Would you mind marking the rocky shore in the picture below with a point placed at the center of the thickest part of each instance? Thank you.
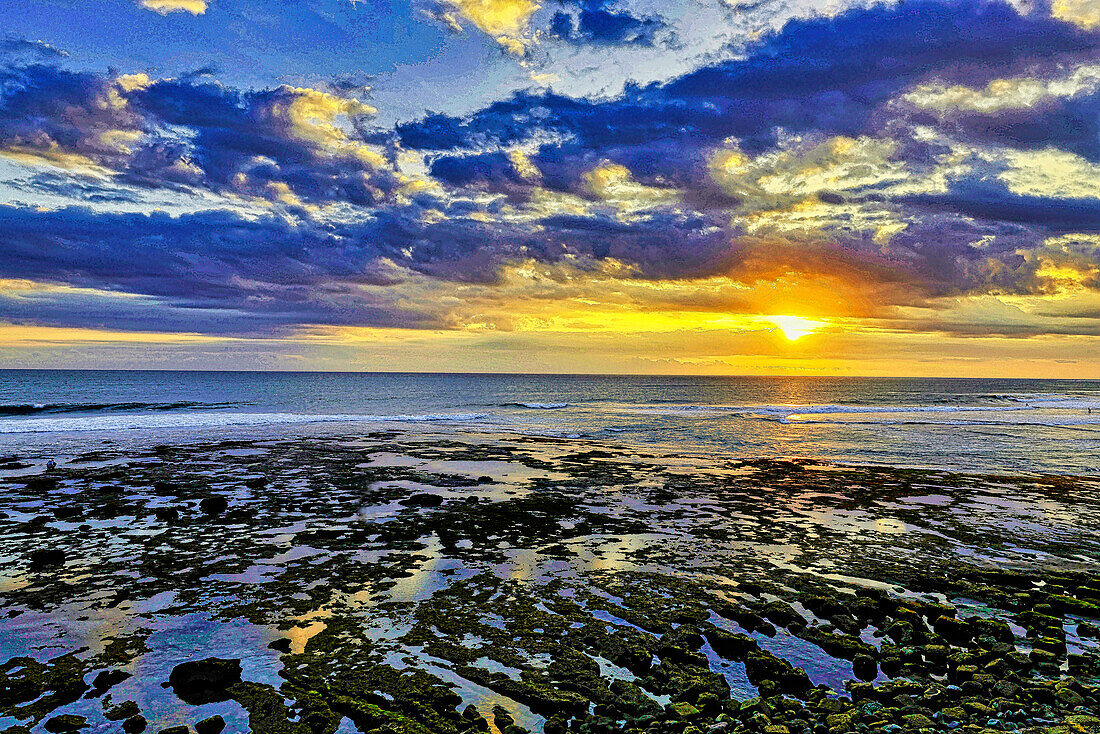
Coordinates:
(392, 583)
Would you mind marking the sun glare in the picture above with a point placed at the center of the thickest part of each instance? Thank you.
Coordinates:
(795, 327)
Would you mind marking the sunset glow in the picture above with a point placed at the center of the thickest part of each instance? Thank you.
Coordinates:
(795, 327)
(224, 187)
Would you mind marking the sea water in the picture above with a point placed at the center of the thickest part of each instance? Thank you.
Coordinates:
(977, 425)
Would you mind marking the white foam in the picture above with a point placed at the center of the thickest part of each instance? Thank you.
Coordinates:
(209, 420)
(789, 410)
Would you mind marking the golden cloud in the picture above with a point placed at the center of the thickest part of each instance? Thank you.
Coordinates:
(164, 7)
(1085, 13)
(505, 20)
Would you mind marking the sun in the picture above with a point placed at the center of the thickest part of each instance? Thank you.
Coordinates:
(795, 327)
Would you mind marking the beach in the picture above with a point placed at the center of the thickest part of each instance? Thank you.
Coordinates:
(424, 577)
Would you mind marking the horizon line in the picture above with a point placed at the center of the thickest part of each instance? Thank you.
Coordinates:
(540, 374)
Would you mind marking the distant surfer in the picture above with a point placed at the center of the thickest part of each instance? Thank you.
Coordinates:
(51, 465)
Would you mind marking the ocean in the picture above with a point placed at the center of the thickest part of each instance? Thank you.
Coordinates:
(972, 425)
(505, 553)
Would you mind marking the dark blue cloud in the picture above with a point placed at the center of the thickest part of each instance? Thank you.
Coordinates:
(13, 46)
(248, 275)
(229, 130)
(181, 131)
(817, 77)
(494, 172)
(992, 201)
(55, 111)
(1070, 123)
(823, 75)
(598, 24)
(261, 273)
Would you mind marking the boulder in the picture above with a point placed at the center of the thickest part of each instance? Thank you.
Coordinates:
(763, 666)
(215, 504)
(106, 679)
(865, 667)
(167, 514)
(65, 723)
(204, 681)
(955, 631)
(134, 724)
(49, 558)
(422, 499)
(729, 645)
(212, 725)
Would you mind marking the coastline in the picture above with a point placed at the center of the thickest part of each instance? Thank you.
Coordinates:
(390, 579)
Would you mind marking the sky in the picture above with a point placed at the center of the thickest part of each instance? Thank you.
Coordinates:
(789, 187)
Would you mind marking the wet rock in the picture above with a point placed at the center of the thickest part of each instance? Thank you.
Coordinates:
(918, 721)
(955, 631)
(65, 723)
(1005, 689)
(422, 499)
(554, 725)
(1086, 722)
(124, 710)
(167, 514)
(838, 645)
(472, 716)
(998, 629)
(891, 666)
(1063, 603)
(846, 623)
(134, 724)
(783, 614)
(763, 666)
(67, 512)
(104, 680)
(267, 710)
(214, 505)
(977, 708)
(42, 484)
(204, 681)
(823, 605)
(900, 632)
(1079, 663)
(211, 725)
(683, 711)
(50, 558)
(729, 645)
(1069, 698)
(501, 718)
(747, 618)
(280, 645)
(865, 667)
(954, 714)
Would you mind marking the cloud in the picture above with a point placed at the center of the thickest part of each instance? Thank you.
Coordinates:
(1085, 13)
(14, 46)
(993, 201)
(506, 21)
(599, 25)
(1029, 112)
(164, 7)
(810, 174)
(288, 144)
(822, 75)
